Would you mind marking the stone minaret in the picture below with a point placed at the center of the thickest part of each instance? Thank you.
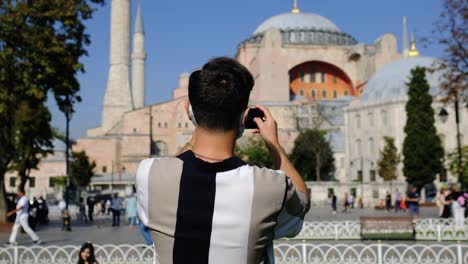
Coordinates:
(405, 39)
(138, 62)
(118, 98)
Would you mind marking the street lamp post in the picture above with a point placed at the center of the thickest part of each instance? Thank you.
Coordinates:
(444, 116)
(68, 116)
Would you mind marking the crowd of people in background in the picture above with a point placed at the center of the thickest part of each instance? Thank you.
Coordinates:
(452, 202)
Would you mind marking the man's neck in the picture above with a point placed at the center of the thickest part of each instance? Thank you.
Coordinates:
(213, 146)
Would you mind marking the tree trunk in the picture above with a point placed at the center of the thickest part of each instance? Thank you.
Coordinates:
(317, 166)
(3, 204)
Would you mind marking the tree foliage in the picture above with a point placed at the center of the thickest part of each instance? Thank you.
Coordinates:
(450, 31)
(255, 153)
(312, 155)
(81, 169)
(422, 148)
(41, 42)
(388, 161)
(454, 164)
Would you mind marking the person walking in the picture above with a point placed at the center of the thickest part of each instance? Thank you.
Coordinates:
(22, 214)
(334, 203)
(388, 202)
(108, 206)
(397, 201)
(116, 205)
(458, 205)
(207, 206)
(131, 210)
(446, 202)
(82, 211)
(345, 203)
(413, 202)
(90, 201)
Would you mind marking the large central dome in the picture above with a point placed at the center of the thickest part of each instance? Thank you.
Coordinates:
(297, 21)
(303, 28)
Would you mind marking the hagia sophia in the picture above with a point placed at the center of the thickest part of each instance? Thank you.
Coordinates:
(307, 71)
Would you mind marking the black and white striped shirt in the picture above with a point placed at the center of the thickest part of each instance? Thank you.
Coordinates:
(224, 212)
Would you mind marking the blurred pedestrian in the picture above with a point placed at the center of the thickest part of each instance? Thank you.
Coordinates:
(108, 206)
(446, 203)
(116, 205)
(334, 203)
(351, 201)
(345, 201)
(458, 205)
(413, 202)
(86, 255)
(90, 201)
(397, 201)
(131, 209)
(82, 210)
(22, 214)
(388, 201)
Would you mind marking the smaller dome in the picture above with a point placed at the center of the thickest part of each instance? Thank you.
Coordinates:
(304, 21)
(389, 83)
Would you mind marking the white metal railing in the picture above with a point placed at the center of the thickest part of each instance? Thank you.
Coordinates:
(290, 253)
(330, 230)
(440, 229)
(425, 229)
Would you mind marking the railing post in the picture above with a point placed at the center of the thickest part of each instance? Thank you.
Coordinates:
(379, 251)
(439, 233)
(304, 251)
(459, 253)
(336, 231)
(15, 253)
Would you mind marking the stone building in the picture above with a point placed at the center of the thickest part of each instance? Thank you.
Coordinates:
(307, 71)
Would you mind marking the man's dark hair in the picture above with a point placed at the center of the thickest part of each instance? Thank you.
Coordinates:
(21, 190)
(219, 92)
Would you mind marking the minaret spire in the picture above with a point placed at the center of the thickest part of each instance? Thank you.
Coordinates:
(295, 8)
(118, 98)
(138, 61)
(405, 39)
(413, 51)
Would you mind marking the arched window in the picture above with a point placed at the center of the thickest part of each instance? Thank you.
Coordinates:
(301, 92)
(346, 93)
(165, 124)
(384, 117)
(371, 147)
(358, 147)
(324, 80)
(312, 93)
(370, 116)
(301, 76)
(335, 94)
(186, 125)
(358, 121)
(312, 75)
(334, 79)
(324, 94)
(179, 125)
(159, 148)
(159, 124)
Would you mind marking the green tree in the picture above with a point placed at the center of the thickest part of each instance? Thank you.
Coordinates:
(81, 169)
(33, 139)
(422, 148)
(41, 42)
(454, 164)
(388, 161)
(312, 155)
(255, 153)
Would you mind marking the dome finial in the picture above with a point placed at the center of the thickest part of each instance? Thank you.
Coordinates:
(413, 51)
(295, 9)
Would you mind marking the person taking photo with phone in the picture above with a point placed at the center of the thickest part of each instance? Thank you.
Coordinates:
(207, 206)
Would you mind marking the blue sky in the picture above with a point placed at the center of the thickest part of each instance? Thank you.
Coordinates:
(183, 35)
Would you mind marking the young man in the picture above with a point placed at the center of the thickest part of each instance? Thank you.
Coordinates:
(207, 206)
(22, 215)
(413, 202)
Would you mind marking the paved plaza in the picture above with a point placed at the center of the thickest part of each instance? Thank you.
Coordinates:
(100, 231)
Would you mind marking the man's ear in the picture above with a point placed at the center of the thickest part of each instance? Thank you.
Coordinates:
(187, 111)
(246, 113)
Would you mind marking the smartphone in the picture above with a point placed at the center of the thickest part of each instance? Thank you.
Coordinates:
(249, 121)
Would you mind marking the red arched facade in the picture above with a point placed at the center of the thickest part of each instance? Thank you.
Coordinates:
(319, 80)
